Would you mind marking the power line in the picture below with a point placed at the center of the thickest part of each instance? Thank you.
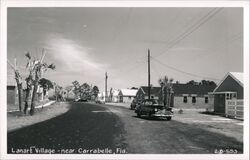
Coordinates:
(191, 29)
(178, 70)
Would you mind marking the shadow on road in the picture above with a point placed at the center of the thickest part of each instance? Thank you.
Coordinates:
(150, 118)
(75, 129)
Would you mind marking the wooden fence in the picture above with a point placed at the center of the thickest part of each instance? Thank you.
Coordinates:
(235, 108)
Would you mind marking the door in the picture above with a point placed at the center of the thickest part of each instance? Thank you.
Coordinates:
(221, 103)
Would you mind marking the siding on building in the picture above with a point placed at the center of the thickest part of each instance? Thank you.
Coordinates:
(200, 103)
(12, 95)
(127, 95)
(197, 92)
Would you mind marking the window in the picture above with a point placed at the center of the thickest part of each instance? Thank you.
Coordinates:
(185, 99)
(206, 99)
(231, 96)
(228, 96)
(193, 99)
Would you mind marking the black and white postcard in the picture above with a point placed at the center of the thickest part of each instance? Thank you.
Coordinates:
(124, 79)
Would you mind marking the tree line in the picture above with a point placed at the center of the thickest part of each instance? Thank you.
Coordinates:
(84, 91)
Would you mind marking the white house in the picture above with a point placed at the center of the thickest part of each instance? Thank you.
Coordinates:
(127, 95)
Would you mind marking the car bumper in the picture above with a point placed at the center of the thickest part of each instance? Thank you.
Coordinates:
(162, 115)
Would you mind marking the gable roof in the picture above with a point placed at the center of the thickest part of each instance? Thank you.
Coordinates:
(183, 89)
(154, 90)
(192, 89)
(116, 92)
(129, 92)
(237, 76)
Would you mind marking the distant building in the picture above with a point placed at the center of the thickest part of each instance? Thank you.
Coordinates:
(230, 88)
(116, 96)
(127, 95)
(102, 97)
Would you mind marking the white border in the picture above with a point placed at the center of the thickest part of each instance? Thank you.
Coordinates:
(58, 3)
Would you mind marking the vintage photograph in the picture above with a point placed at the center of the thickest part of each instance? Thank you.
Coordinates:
(125, 80)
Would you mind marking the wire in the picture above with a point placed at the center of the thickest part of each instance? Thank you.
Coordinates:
(178, 70)
(191, 29)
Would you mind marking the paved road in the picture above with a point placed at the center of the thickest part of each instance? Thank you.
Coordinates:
(113, 129)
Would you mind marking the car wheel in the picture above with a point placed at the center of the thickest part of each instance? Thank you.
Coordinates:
(138, 114)
(169, 118)
(149, 115)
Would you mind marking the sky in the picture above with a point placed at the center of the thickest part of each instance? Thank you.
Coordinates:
(185, 43)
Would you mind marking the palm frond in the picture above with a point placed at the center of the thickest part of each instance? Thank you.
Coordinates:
(28, 55)
(51, 66)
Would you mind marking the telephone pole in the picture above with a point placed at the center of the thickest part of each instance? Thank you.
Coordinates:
(106, 83)
(149, 87)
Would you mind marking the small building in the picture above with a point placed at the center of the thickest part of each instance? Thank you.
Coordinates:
(230, 88)
(127, 95)
(116, 96)
(102, 97)
(193, 95)
(184, 95)
(12, 93)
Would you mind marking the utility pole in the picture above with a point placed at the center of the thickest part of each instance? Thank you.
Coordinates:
(149, 87)
(106, 83)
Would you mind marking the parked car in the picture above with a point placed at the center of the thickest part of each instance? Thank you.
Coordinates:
(134, 104)
(151, 108)
(100, 102)
(77, 99)
(81, 100)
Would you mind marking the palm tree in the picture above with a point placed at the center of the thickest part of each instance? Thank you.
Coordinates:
(36, 68)
(166, 90)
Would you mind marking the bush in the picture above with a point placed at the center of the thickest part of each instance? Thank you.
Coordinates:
(180, 111)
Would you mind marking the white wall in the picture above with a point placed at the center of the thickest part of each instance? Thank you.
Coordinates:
(200, 103)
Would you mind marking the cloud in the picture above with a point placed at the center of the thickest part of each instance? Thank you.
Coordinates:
(71, 56)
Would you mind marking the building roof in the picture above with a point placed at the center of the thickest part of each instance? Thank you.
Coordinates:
(116, 92)
(237, 76)
(180, 89)
(192, 89)
(153, 90)
(129, 92)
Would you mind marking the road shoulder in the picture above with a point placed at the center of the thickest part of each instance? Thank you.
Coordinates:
(17, 120)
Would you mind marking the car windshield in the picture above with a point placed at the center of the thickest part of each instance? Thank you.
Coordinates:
(151, 102)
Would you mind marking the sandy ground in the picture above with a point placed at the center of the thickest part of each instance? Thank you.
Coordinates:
(214, 123)
(16, 120)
